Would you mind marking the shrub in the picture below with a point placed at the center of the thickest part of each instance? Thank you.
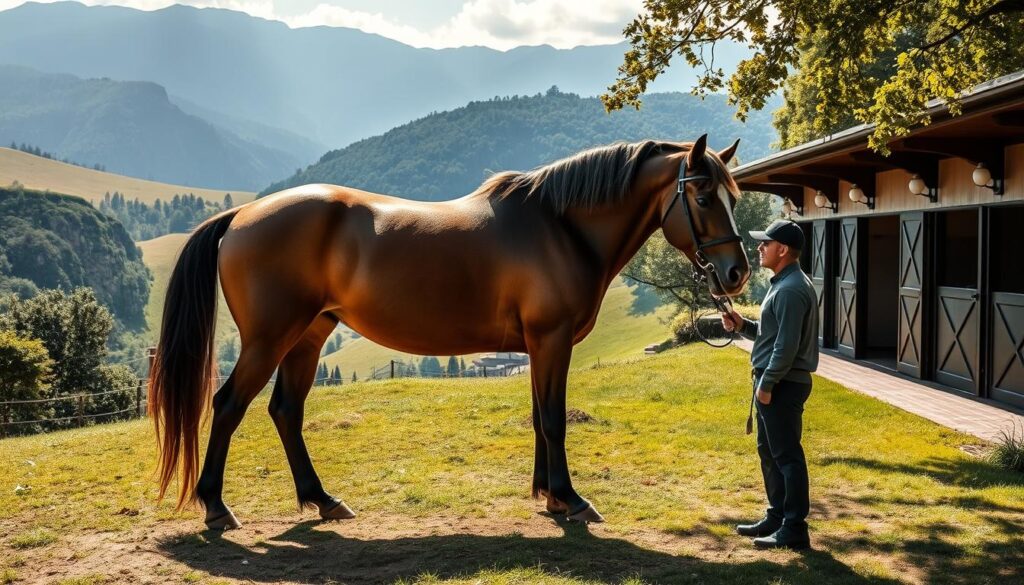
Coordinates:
(1009, 451)
(24, 375)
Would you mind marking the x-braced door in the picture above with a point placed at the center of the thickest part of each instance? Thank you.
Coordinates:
(1008, 348)
(910, 348)
(822, 269)
(957, 340)
(846, 289)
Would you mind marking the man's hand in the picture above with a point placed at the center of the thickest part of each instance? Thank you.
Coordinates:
(764, 397)
(732, 322)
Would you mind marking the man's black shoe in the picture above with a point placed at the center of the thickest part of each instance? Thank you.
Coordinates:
(785, 538)
(763, 528)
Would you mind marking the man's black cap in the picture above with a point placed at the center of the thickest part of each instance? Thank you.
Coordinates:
(782, 231)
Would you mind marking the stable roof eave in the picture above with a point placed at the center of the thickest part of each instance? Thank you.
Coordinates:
(993, 91)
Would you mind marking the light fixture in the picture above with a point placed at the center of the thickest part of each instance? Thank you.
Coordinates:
(918, 186)
(821, 201)
(788, 208)
(857, 196)
(982, 177)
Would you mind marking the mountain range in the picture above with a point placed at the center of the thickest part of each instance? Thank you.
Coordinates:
(132, 128)
(448, 154)
(330, 85)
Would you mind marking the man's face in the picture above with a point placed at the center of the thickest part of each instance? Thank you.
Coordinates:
(771, 253)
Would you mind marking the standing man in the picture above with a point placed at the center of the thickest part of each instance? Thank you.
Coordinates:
(784, 355)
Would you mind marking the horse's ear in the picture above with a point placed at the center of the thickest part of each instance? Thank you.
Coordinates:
(696, 153)
(727, 154)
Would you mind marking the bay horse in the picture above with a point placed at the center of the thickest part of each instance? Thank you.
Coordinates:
(520, 264)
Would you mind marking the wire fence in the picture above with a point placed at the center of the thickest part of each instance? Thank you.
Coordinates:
(21, 417)
(399, 369)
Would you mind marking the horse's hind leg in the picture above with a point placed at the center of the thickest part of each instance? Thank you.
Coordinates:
(253, 370)
(294, 380)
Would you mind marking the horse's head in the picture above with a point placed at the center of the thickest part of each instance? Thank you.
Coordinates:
(697, 217)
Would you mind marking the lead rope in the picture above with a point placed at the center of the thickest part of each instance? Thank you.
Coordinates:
(724, 305)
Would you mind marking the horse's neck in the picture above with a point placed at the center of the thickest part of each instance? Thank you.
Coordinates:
(617, 232)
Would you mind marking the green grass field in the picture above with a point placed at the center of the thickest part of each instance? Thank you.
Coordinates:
(43, 174)
(439, 473)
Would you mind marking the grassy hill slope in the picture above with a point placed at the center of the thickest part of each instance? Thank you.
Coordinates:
(159, 255)
(43, 174)
(439, 473)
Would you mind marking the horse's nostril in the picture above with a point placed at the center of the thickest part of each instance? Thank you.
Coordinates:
(734, 274)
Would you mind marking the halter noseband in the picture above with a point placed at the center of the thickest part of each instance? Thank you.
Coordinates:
(702, 261)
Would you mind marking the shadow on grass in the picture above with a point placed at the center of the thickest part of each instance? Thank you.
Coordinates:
(645, 300)
(305, 554)
(965, 473)
(938, 551)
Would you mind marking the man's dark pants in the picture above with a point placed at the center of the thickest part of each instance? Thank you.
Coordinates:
(779, 428)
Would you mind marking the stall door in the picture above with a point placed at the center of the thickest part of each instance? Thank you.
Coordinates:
(909, 348)
(1008, 348)
(957, 339)
(846, 288)
(823, 277)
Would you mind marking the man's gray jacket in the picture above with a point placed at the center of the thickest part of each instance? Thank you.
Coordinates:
(786, 337)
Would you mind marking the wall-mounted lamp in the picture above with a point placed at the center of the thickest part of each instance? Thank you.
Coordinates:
(982, 177)
(857, 196)
(823, 202)
(788, 208)
(917, 186)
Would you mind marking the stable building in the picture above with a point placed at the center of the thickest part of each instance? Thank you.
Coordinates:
(917, 257)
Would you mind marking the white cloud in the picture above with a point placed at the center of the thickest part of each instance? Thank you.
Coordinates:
(499, 24)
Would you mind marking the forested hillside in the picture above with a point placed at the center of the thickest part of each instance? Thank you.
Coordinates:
(52, 241)
(446, 155)
(131, 128)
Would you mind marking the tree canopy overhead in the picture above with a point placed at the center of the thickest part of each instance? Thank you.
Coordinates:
(870, 61)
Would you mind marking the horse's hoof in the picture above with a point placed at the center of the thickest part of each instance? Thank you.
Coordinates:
(338, 512)
(588, 515)
(554, 505)
(225, 521)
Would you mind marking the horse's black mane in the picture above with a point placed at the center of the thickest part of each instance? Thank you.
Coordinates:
(588, 179)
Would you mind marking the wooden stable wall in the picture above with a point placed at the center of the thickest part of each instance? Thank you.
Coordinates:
(955, 189)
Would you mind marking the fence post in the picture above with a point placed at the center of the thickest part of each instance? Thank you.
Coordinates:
(392, 369)
(4, 409)
(81, 410)
(485, 371)
(138, 400)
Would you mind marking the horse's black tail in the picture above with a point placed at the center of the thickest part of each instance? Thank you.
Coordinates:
(182, 376)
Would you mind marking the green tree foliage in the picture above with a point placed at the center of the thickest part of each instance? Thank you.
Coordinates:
(24, 375)
(74, 327)
(36, 151)
(336, 375)
(145, 222)
(446, 155)
(430, 367)
(659, 265)
(57, 241)
(876, 61)
(453, 367)
(227, 355)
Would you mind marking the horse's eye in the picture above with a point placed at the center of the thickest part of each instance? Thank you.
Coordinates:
(703, 202)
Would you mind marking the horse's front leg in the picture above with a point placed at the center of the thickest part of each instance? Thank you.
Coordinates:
(550, 354)
(541, 486)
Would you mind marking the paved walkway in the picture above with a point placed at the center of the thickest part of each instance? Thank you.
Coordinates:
(982, 418)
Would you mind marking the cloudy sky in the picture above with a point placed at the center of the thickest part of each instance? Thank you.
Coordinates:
(499, 24)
